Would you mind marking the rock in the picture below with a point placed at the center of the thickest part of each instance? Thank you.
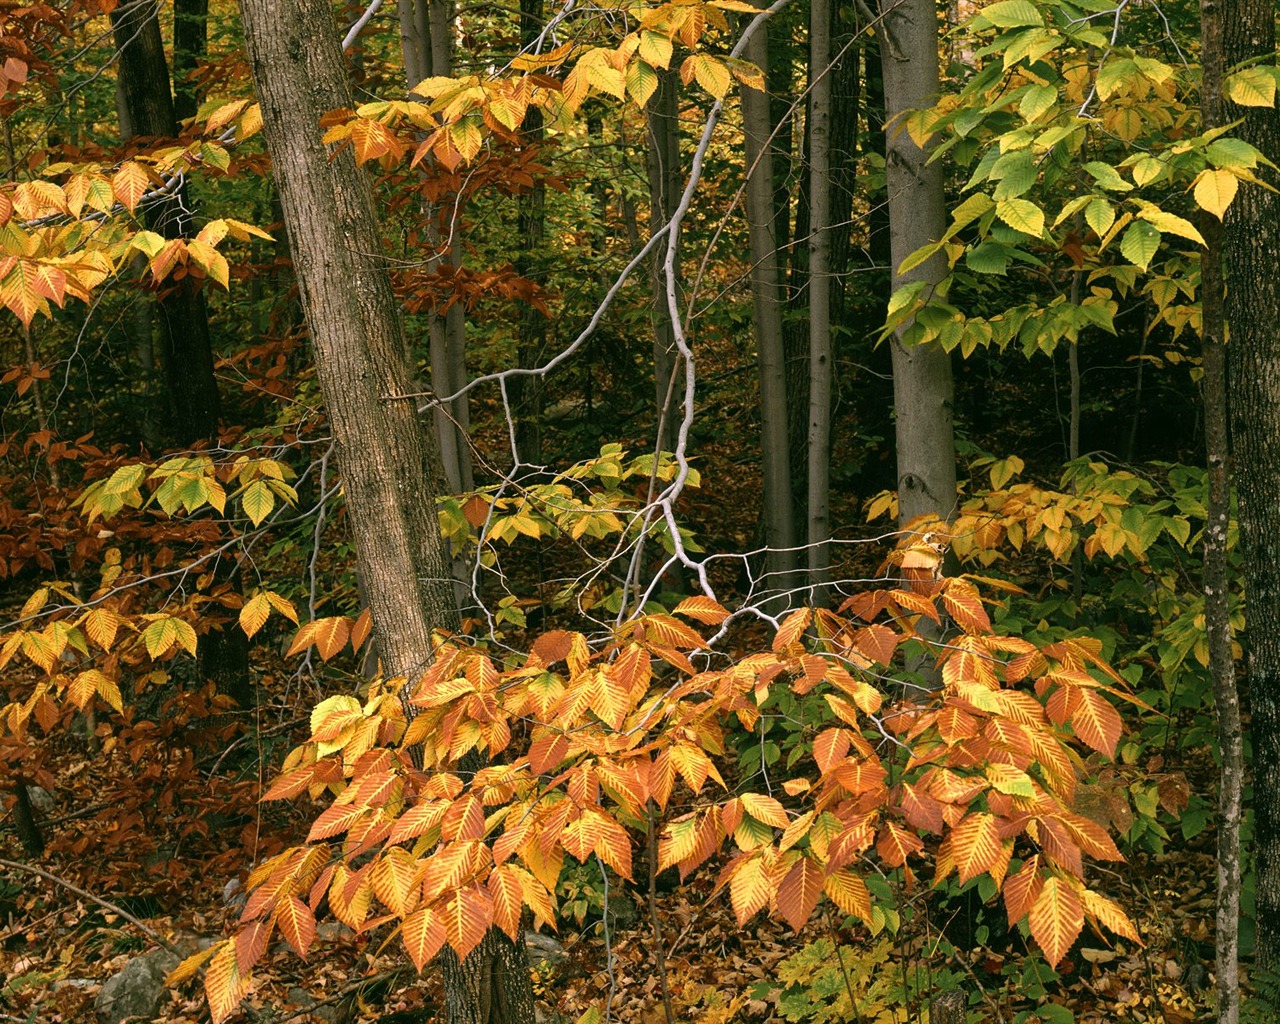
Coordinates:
(41, 799)
(137, 990)
(331, 1012)
(543, 949)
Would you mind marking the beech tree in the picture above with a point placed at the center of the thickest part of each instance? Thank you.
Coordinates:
(390, 464)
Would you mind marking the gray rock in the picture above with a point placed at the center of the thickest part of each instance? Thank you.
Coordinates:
(41, 799)
(137, 990)
(543, 949)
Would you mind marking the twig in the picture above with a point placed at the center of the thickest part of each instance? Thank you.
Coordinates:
(659, 954)
(105, 904)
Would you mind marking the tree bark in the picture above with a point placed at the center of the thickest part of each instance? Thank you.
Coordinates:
(775, 447)
(526, 392)
(922, 383)
(1217, 614)
(665, 185)
(389, 462)
(184, 322)
(1251, 247)
(818, 505)
(190, 44)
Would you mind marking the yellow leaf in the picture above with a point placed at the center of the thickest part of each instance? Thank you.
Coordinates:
(130, 184)
(1056, 919)
(1214, 190)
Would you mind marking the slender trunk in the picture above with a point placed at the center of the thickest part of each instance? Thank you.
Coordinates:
(190, 44)
(820, 369)
(1217, 613)
(775, 446)
(526, 392)
(1251, 247)
(843, 161)
(148, 110)
(922, 384)
(388, 461)
(433, 30)
(665, 181)
(24, 820)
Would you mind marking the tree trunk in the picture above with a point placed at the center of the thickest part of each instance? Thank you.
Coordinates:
(665, 185)
(922, 385)
(190, 44)
(1252, 251)
(184, 322)
(818, 505)
(526, 392)
(1216, 580)
(388, 461)
(775, 448)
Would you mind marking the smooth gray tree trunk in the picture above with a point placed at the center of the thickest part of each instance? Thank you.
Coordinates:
(818, 505)
(922, 382)
(665, 185)
(767, 304)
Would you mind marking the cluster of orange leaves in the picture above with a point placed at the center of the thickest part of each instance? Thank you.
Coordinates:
(570, 751)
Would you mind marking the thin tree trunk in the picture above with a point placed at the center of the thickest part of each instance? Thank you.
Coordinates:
(190, 44)
(388, 461)
(1251, 247)
(184, 323)
(818, 506)
(665, 181)
(1216, 580)
(526, 392)
(922, 383)
(775, 447)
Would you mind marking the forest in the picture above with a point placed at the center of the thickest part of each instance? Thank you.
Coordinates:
(639, 510)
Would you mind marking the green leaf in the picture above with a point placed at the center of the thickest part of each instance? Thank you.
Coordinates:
(1100, 215)
(1107, 176)
(1011, 14)
(1036, 100)
(1231, 153)
(1147, 170)
(1252, 87)
(1022, 215)
(1140, 243)
(988, 258)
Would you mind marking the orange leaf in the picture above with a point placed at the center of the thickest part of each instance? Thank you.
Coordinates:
(466, 918)
(749, 888)
(1096, 722)
(397, 880)
(1056, 919)
(830, 747)
(224, 985)
(765, 809)
(702, 609)
(849, 892)
(799, 892)
(423, 934)
(297, 924)
(1022, 889)
(896, 844)
(974, 845)
(792, 628)
(506, 892)
(960, 599)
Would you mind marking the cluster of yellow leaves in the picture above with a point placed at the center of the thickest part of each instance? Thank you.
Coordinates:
(630, 735)
(460, 113)
(1101, 515)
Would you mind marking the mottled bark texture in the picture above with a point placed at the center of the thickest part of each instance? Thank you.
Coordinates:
(388, 460)
(922, 384)
(1251, 241)
(1217, 612)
